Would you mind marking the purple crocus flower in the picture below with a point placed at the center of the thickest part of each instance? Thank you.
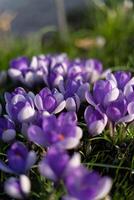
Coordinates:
(74, 93)
(52, 102)
(117, 109)
(83, 184)
(57, 69)
(18, 188)
(122, 78)
(105, 91)
(93, 70)
(54, 163)
(57, 73)
(62, 131)
(21, 70)
(85, 70)
(7, 129)
(18, 66)
(39, 67)
(95, 119)
(20, 105)
(19, 159)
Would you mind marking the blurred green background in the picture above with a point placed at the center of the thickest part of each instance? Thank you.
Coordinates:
(101, 29)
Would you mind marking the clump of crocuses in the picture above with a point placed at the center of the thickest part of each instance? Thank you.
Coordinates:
(42, 122)
(79, 182)
(110, 101)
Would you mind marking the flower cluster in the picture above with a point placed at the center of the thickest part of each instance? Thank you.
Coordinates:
(47, 119)
(80, 183)
(70, 77)
(110, 101)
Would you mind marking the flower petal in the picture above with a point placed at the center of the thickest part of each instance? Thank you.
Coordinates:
(38, 102)
(11, 187)
(36, 135)
(68, 143)
(79, 132)
(26, 114)
(25, 184)
(111, 96)
(46, 171)
(60, 107)
(8, 135)
(130, 108)
(5, 168)
(31, 159)
(105, 186)
(96, 127)
(70, 104)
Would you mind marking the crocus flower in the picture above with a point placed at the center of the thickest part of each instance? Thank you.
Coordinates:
(19, 70)
(20, 105)
(7, 129)
(122, 78)
(19, 159)
(54, 163)
(18, 188)
(62, 131)
(95, 119)
(88, 185)
(19, 66)
(105, 91)
(85, 70)
(117, 109)
(74, 93)
(93, 70)
(25, 72)
(57, 72)
(52, 102)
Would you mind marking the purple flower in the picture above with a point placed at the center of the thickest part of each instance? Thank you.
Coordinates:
(19, 159)
(27, 73)
(57, 73)
(85, 70)
(20, 105)
(19, 65)
(18, 188)
(105, 91)
(75, 70)
(20, 71)
(54, 163)
(122, 78)
(56, 69)
(117, 109)
(83, 184)
(52, 102)
(7, 129)
(62, 131)
(93, 70)
(74, 93)
(95, 119)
